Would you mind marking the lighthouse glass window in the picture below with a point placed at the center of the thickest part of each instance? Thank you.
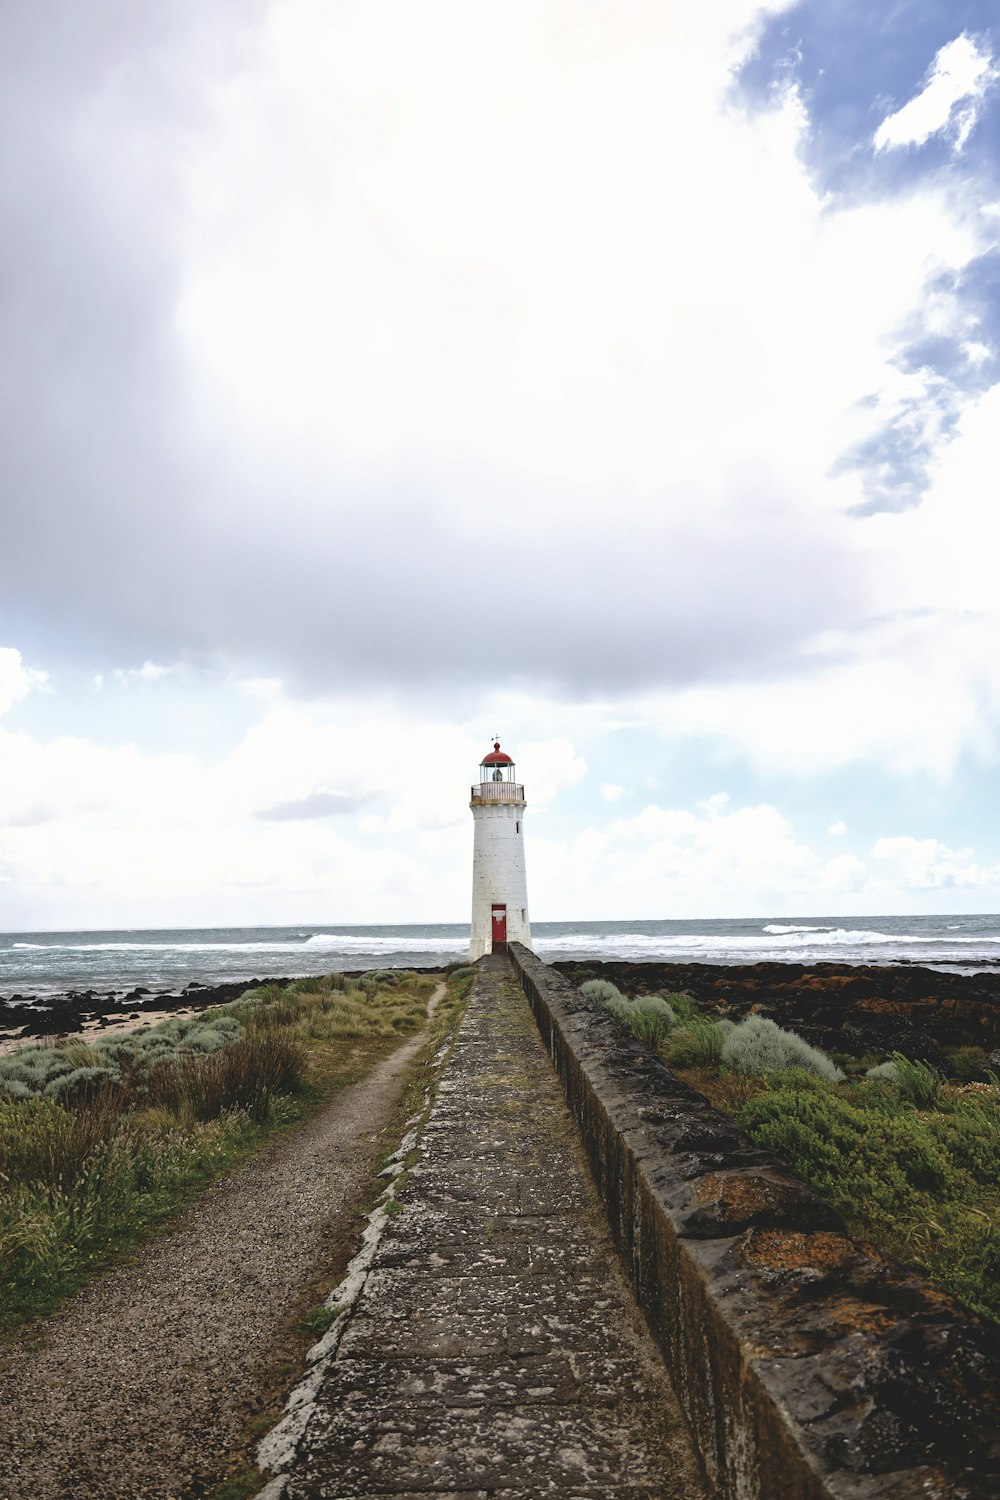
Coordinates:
(497, 773)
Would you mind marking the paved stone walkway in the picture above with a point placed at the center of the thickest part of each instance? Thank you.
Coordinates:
(496, 1350)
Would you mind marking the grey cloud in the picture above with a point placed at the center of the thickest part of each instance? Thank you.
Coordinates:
(31, 817)
(128, 533)
(318, 804)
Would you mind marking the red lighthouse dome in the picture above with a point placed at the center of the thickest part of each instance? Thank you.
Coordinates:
(496, 757)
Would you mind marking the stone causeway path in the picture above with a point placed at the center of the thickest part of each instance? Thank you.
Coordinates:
(495, 1350)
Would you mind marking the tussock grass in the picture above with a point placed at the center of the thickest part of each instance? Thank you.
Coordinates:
(100, 1142)
(915, 1081)
(697, 1042)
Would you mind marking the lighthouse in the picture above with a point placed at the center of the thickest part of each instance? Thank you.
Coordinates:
(499, 884)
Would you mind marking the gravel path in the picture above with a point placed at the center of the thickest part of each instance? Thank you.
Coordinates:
(144, 1379)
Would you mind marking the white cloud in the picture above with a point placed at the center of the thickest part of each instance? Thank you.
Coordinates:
(16, 679)
(572, 338)
(977, 353)
(148, 673)
(611, 791)
(670, 862)
(553, 309)
(838, 829)
(927, 864)
(555, 766)
(847, 874)
(322, 812)
(960, 74)
(366, 819)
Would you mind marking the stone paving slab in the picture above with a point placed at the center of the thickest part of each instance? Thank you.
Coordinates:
(495, 1351)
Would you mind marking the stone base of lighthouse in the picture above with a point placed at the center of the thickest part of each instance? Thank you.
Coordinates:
(498, 875)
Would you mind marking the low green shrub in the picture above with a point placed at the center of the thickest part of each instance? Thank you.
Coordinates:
(759, 1045)
(832, 1143)
(601, 990)
(83, 1085)
(922, 1185)
(388, 978)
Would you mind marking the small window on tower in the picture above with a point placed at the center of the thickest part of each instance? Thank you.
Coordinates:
(517, 828)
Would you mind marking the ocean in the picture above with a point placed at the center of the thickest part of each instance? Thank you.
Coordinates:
(43, 963)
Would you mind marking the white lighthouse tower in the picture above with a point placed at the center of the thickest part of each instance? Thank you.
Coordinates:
(499, 884)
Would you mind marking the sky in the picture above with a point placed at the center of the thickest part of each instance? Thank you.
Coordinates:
(619, 378)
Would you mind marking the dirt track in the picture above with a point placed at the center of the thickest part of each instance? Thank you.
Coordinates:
(145, 1378)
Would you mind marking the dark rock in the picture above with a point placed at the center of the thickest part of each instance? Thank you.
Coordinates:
(64, 1014)
(858, 1009)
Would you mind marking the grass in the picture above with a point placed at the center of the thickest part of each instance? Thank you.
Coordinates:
(101, 1144)
(911, 1161)
(318, 1321)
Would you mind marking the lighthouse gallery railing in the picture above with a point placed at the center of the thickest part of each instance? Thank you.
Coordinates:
(498, 791)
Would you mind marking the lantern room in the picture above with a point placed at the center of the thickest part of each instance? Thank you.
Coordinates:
(496, 766)
(496, 778)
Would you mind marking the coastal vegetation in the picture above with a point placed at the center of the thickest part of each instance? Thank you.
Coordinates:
(101, 1143)
(910, 1160)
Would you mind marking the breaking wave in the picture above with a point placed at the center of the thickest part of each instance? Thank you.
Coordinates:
(168, 959)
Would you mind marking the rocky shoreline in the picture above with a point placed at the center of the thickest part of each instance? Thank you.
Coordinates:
(41, 1017)
(27, 1017)
(850, 1008)
(857, 1009)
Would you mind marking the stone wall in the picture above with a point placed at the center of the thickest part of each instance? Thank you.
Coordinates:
(808, 1365)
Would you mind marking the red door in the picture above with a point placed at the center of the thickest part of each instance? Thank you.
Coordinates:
(499, 928)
